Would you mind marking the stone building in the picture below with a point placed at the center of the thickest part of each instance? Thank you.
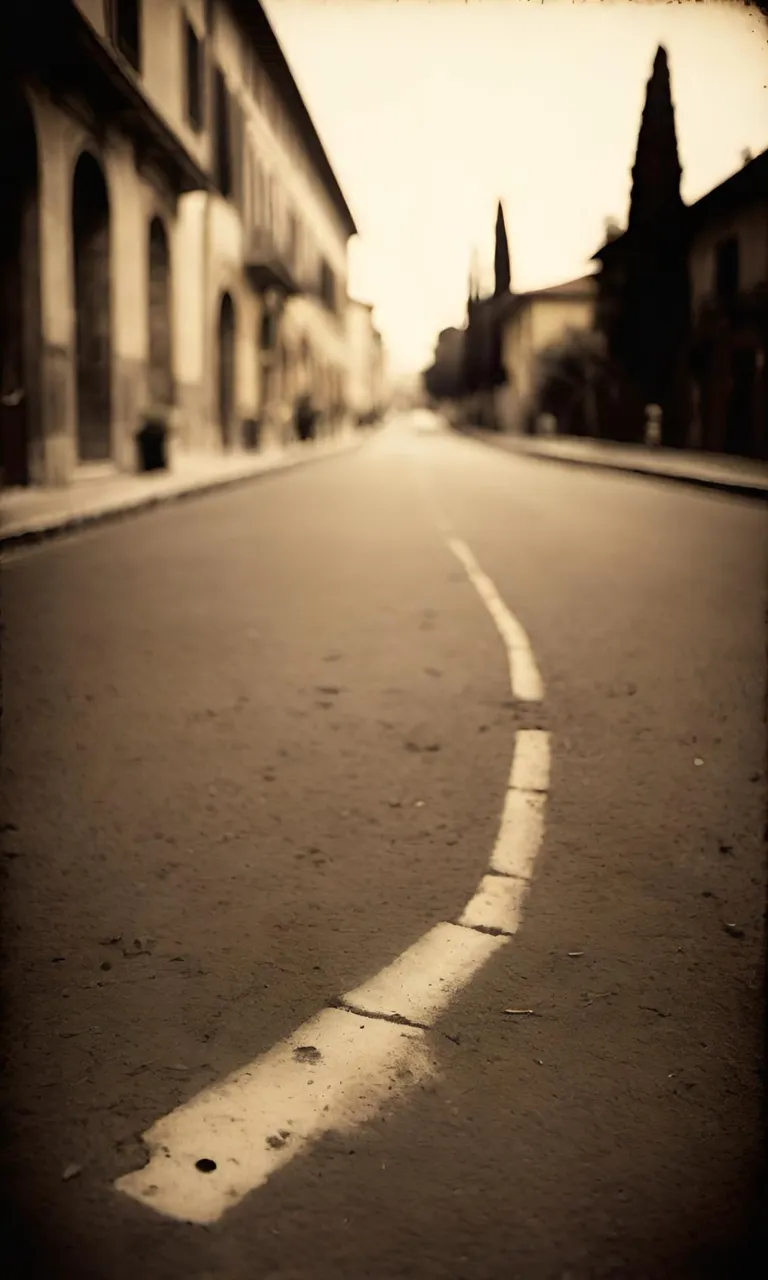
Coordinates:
(365, 375)
(173, 241)
(534, 322)
(728, 265)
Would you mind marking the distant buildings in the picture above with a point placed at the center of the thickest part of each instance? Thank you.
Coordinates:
(365, 363)
(683, 300)
(676, 316)
(534, 322)
(728, 262)
(173, 240)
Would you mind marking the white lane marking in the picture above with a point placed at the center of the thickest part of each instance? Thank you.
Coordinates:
(520, 834)
(420, 983)
(262, 1116)
(525, 678)
(498, 904)
(333, 1073)
(530, 764)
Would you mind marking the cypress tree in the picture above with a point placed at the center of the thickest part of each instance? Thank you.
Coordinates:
(655, 304)
(502, 269)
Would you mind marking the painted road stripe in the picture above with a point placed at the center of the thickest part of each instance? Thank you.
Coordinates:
(420, 983)
(497, 905)
(525, 678)
(338, 1069)
(530, 766)
(520, 834)
(333, 1073)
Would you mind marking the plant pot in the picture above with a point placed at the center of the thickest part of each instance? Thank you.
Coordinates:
(152, 445)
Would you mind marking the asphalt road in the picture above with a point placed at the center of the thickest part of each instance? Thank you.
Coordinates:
(255, 745)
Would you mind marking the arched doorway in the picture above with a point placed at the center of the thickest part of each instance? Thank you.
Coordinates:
(160, 339)
(226, 369)
(90, 226)
(19, 288)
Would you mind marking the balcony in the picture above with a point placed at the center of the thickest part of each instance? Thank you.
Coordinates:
(267, 264)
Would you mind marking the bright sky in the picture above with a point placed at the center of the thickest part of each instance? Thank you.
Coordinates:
(430, 110)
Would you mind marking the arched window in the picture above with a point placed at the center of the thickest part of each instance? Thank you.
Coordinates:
(91, 243)
(159, 298)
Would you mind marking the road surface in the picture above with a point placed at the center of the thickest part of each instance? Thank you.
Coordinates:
(257, 747)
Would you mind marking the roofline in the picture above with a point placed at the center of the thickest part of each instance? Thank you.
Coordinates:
(254, 18)
(730, 187)
(554, 293)
(694, 213)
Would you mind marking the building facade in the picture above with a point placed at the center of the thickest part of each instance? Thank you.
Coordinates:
(366, 374)
(728, 265)
(534, 322)
(173, 241)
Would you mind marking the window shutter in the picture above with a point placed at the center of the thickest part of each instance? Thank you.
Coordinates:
(236, 149)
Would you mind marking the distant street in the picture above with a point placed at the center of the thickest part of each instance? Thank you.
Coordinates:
(256, 746)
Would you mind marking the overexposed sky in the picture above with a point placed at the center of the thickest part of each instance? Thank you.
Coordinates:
(430, 110)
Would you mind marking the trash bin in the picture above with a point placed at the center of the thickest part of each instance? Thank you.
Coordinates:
(251, 433)
(152, 444)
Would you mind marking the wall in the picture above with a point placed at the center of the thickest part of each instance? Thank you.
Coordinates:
(96, 13)
(134, 198)
(751, 227)
(273, 146)
(207, 243)
(360, 353)
(162, 75)
(541, 321)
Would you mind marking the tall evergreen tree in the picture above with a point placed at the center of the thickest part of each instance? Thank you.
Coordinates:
(503, 275)
(656, 173)
(653, 309)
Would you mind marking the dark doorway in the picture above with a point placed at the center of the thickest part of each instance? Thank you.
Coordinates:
(226, 369)
(19, 287)
(739, 424)
(90, 224)
(160, 340)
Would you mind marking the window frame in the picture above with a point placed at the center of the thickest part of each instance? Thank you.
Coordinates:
(190, 36)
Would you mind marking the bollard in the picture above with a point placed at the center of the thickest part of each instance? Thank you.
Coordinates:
(653, 421)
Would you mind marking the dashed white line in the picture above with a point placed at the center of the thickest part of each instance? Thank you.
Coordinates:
(333, 1073)
(525, 679)
(521, 832)
(421, 981)
(530, 764)
(497, 905)
(339, 1068)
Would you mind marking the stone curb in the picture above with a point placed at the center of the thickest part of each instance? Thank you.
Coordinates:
(60, 526)
(736, 488)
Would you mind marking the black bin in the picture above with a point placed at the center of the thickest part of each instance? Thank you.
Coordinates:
(251, 433)
(152, 445)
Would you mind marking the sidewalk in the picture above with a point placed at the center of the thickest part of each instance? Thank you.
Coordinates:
(30, 515)
(712, 470)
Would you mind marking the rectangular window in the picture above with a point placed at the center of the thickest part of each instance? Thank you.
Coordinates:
(257, 205)
(222, 135)
(727, 268)
(327, 286)
(126, 30)
(193, 52)
(237, 148)
(293, 239)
